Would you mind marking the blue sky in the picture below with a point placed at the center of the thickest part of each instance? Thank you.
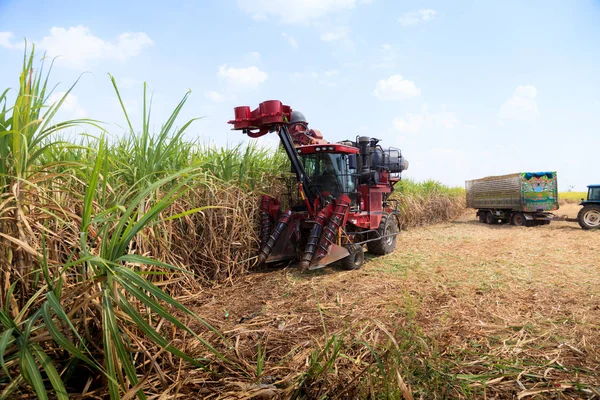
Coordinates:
(466, 88)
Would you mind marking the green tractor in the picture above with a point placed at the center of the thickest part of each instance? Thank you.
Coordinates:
(589, 216)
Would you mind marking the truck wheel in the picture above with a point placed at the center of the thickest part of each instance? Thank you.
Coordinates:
(355, 259)
(482, 217)
(489, 218)
(386, 245)
(589, 217)
(518, 219)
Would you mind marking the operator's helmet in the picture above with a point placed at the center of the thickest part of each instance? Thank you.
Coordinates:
(297, 118)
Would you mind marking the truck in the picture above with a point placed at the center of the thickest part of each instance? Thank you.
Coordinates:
(521, 199)
(589, 215)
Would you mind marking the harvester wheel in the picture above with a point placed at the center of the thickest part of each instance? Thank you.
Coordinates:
(589, 217)
(355, 259)
(518, 219)
(387, 229)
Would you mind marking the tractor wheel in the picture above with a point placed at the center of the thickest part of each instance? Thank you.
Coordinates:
(589, 217)
(385, 245)
(355, 259)
(518, 219)
(489, 218)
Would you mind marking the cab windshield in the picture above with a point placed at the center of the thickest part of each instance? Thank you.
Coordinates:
(594, 193)
(329, 173)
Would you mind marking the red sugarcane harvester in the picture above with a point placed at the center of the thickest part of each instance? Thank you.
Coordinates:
(344, 193)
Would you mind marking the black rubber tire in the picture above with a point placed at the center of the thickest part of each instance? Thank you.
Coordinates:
(518, 219)
(355, 259)
(482, 217)
(489, 218)
(386, 245)
(589, 217)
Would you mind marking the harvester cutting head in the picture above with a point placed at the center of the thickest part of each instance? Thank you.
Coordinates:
(344, 189)
(265, 118)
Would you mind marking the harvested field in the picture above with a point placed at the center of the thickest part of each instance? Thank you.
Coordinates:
(460, 310)
(96, 237)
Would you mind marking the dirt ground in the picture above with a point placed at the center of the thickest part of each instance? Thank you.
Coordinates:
(472, 310)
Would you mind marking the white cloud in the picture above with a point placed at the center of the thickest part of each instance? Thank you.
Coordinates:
(410, 124)
(522, 106)
(291, 40)
(388, 58)
(443, 164)
(249, 77)
(325, 78)
(6, 41)
(417, 17)
(259, 17)
(383, 65)
(128, 82)
(354, 64)
(339, 33)
(215, 96)
(415, 123)
(295, 11)
(77, 45)
(339, 36)
(395, 88)
(70, 105)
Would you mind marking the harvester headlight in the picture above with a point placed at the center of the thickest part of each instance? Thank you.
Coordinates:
(318, 149)
(330, 147)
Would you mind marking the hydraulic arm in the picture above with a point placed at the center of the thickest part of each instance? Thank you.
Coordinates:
(272, 116)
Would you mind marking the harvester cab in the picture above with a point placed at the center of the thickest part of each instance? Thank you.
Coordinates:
(344, 190)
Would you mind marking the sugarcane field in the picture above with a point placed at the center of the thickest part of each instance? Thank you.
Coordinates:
(342, 199)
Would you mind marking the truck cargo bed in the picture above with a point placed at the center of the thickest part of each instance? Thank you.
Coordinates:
(523, 191)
